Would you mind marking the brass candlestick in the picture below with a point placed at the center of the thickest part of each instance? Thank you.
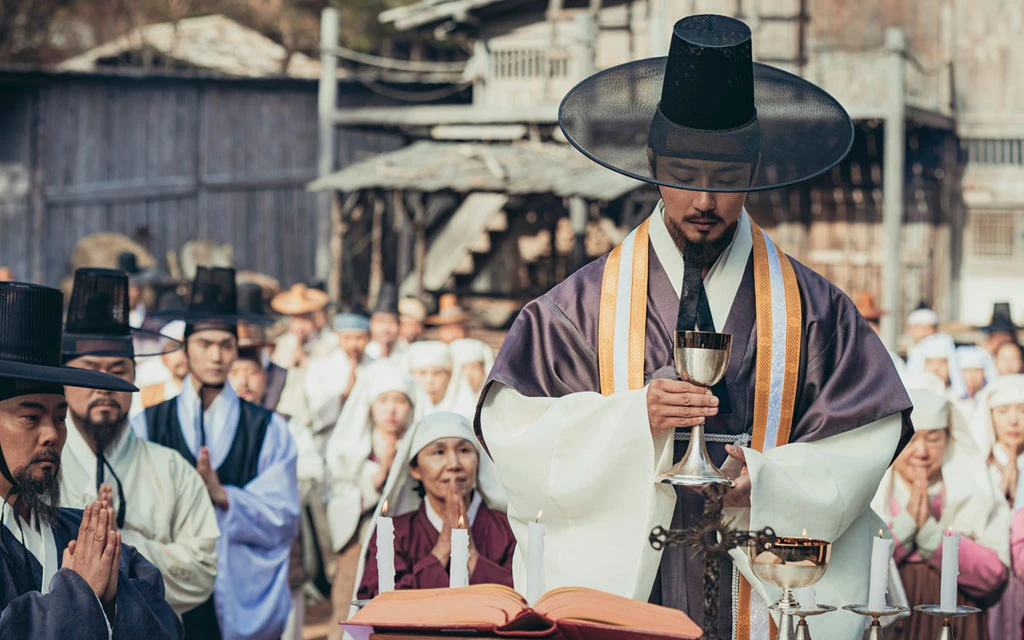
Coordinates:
(875, 630)
(946, 632)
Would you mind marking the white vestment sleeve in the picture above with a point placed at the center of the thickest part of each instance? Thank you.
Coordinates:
(589, 462)
(188, 559)
(825, 487)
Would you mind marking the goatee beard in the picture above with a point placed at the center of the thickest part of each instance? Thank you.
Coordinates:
(703, 254)
(103, 432)
(40, 496)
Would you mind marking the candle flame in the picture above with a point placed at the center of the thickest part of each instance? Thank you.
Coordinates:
(880, 535)
(539, 514)
(804, 534)
(384, 509)
(462, 522)
(949, 531)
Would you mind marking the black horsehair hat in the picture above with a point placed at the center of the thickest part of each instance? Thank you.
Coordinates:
(387, 299)
(707, 102)
(30, 343)
(97, 321)
(213, 303)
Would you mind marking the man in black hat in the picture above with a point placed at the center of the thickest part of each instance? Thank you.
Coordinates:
(585, 395)
(263, 379)
(385, 341)
(160, 501)
(247, 460)
(1000, 330)
(64, 573)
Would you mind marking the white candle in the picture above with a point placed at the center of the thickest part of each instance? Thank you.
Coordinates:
(535, 561)
(881, 549)
(458, 568)
(805, 596)
(385, 552)
(950, 571)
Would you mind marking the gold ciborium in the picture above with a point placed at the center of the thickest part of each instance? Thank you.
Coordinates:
(788, 563)
(702, 358)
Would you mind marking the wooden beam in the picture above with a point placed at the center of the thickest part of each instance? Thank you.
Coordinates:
(340, 212)
(376, 248)
(327, 103)
(420, 225)
(431, 115)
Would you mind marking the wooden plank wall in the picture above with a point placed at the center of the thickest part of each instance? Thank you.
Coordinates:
(167, 160)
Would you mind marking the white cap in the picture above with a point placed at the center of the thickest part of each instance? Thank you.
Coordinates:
(922, 317)
(428, 353)
(972, 357)
(931, 410)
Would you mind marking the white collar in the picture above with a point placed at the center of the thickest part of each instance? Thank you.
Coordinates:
(726, 273)
(39, 542)
(438, 522)
(220, 420)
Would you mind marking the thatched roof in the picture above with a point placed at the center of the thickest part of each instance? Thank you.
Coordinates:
(463, 167)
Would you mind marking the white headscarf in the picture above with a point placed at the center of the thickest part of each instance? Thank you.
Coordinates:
(922, 317)
(400, 488)
(432, 353)
(463, 399)
(351, 442)
(939, 345)
(973, 506)
(1000, 392)
(974, 357)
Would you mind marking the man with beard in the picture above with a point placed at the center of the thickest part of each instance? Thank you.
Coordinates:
(64, 573)
(160, 501)
(581, 408)
(247, 460)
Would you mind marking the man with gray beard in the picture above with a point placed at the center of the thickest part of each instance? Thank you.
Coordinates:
(64, 573)
(160, 501)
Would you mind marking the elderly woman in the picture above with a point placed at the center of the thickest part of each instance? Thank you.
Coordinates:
(444, 476)
(360, 454)
(999, 426)
(939, 483)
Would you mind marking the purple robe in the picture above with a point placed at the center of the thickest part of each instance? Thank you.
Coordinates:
(847, 380)
(417, 568)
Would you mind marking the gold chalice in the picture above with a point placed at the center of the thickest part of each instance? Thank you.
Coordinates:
(788, 563)
(702, 358)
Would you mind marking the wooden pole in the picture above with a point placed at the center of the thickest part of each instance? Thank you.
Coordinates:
(327, 101)
(336, 247)
(892, 188)
(376, 249)
(406, 238)
(420, 224)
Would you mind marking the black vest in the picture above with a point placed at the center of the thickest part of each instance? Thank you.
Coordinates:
(238, 469)
(242, 463)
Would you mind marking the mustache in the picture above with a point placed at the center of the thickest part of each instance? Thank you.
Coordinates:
(103, 402)
(704, 216)
(46, 455)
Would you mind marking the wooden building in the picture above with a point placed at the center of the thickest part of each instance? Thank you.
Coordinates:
(905, 166)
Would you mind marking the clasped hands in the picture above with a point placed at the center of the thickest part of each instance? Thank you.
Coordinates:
(452, 512)
(96, 554)
(674, 403)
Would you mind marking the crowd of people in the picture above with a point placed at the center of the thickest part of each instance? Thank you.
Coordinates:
(960, 473)
(251, 467)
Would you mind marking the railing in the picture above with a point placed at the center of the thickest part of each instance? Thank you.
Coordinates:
(525, 77)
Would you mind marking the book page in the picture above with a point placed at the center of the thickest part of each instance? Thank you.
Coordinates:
(587, 605)
(484, 605)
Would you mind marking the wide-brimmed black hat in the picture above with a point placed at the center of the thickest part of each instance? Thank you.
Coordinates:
(128, 262)
(214, 301)
(30, 341)
(252, 303)
(1002, 320)
(97, 320)
(707, 106)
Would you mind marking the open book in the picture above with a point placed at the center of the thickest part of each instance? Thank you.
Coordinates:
(573, 612)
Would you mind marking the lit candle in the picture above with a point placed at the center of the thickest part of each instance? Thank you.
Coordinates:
(805, 596)
(535, 561)
(881, 549)
(950, 571)
(385, 551)
(458, 568)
